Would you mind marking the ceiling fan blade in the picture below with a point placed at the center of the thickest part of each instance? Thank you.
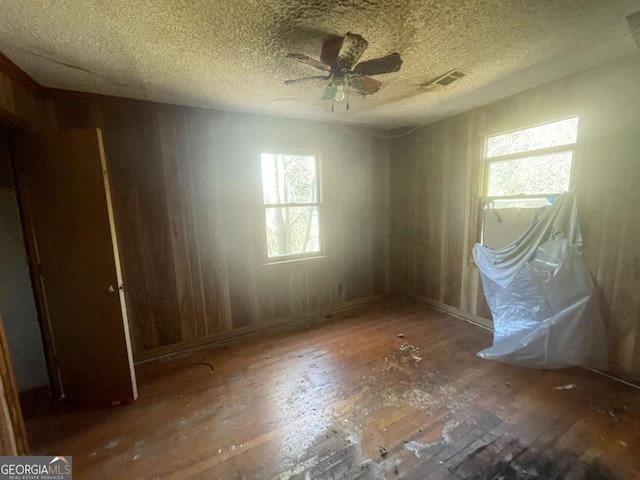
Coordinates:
(330, 50)
(302, 58)
(329, 92)
(306, 79)
(364, 85)
(353, 46)
(378, 66)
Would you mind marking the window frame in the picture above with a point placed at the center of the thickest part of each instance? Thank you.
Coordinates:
(485, 162)
(295, 257)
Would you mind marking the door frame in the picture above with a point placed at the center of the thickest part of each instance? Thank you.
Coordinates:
(12, 431)
(55, 383)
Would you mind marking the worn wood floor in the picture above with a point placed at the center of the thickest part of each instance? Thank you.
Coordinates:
(348, 398)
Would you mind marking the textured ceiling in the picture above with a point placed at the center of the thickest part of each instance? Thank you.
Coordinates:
(230, 54)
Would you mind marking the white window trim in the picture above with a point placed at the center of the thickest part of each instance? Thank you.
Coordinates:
(486, 161)
(297, 257)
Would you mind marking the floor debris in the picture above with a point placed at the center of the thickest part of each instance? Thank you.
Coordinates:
(414, 447)
(206, 364)
(568, 386)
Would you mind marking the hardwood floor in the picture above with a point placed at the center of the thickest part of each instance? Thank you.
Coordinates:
(392, 390)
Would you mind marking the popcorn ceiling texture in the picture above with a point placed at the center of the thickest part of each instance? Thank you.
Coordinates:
(230, 54)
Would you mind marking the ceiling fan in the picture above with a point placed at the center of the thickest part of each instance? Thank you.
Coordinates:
(338, 58)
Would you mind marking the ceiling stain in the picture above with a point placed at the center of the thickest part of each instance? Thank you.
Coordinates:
(232, 55)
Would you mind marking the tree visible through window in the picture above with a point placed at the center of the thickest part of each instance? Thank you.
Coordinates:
(524, 170)
(291, 192)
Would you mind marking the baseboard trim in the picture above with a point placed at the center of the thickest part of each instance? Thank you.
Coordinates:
(204, 342)
(456, 312)
(628, 383)
(244, 332)
(488, 325)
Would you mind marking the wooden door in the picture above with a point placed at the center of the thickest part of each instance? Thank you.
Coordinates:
(64, 187)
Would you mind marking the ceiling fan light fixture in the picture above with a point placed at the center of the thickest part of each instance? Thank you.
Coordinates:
(339, 59)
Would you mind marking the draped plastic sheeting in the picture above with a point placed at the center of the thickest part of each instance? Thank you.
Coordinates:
(545, 311)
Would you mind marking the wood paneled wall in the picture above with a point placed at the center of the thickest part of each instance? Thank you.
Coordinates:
(187, 197)
(19, 96)
(434, 178)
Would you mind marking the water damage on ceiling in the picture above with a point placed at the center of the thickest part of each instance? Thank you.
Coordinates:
(233, 55)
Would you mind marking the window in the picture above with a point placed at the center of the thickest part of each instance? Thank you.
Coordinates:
(528, 168)
(524, 170)
(291, 193)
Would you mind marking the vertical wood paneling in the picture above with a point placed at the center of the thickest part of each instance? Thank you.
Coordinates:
(417, 259)
(154, 244)
(455, 215)
(399, 165)
(191, 194)
(318, 287)
(238, 168)
(442, 154)
(187, 198)
(358, 212)
(434, 201)
(176, 185)
(438, 157)
(209, 230)
(19, 102)
(188, 206)
(379, 215)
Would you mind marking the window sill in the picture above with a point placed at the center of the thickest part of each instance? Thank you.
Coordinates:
(295, 261)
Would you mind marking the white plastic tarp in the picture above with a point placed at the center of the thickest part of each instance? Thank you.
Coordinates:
(545, 311)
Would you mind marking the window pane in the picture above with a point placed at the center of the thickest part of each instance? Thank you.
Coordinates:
(289, 178)
(530, 176)
(292, 230)
(563, 132)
